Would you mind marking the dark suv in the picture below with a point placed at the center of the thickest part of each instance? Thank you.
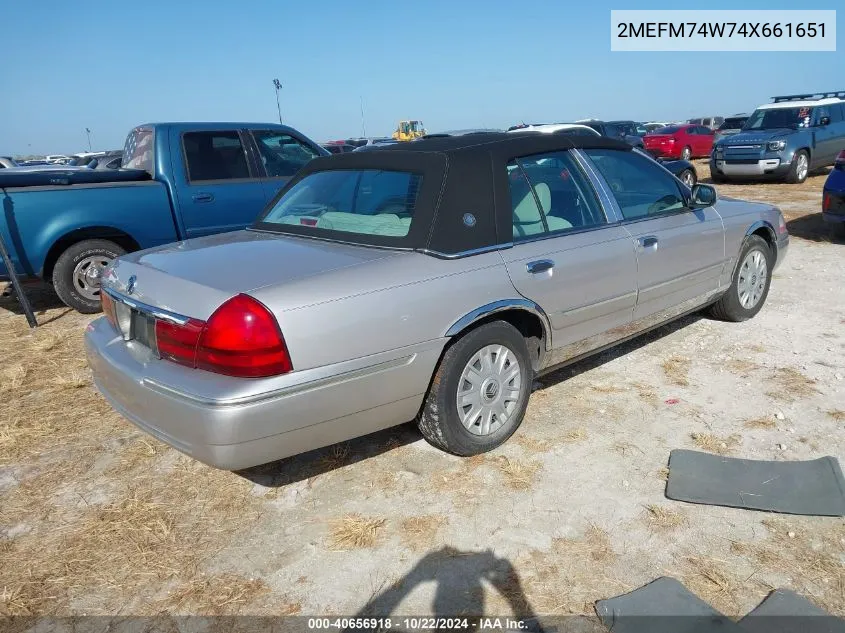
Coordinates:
(784, 140)
(623, 130)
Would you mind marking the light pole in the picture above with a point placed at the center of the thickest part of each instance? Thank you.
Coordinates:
(278, 87)
(88, 132)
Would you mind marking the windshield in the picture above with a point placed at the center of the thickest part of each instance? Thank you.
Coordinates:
(138, 152)
(735, 123)
(365, 201)
(775, 118)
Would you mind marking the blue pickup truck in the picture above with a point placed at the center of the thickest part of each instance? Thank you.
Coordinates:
(177, 181)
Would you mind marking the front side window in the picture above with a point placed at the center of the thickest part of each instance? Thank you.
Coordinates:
(641, 187)
(365, 201)
(733, 124)
(282, 154)
(776, 118)
(217, 155)
(550, 194)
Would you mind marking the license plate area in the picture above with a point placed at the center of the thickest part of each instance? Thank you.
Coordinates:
(136, 325)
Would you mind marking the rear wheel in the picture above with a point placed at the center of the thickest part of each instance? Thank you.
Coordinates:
(750, 284)
(686, 153)
(480, 391)
(77, 273)
(799, 169)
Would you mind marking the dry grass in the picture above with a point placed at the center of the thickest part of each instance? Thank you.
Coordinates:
(212, 595)
(74, 379)
(419, 532)
(519, 475)
(676, 369)
(766, 424)
(626, 448)
(355, 531)
(664, 519)
(574, 435)
(714, 581)
(837, 414)
(663, 474)
(792, 385)
(606, 389)
(716, 444)
(742, 366)
(335, 456)
(532, 444)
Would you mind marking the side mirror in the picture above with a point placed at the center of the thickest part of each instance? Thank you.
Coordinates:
(825, 120)
(703, 196)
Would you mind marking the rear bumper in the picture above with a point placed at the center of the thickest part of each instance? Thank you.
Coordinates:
(836, 209)
(235, 423)
(662, 152)
(766, 167)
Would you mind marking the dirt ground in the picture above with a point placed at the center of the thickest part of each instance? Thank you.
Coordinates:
(98, 518)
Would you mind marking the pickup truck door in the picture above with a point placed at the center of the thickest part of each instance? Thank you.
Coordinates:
(279, 155)
(680, 251)
(216, 183)
(566, 256)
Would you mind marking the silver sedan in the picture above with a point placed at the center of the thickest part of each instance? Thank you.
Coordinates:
(428, 281)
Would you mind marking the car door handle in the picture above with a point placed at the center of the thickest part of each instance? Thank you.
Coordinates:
(540, 266)
(203, 197)
(648, 241)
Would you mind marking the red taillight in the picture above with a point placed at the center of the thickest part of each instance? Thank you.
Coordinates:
(826, 202)
(243, 339)
(179, 342)
(240, 339)
(107, 304)
(840, 160)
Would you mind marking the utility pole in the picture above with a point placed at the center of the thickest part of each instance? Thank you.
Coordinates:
(88, 132)
(278, 86)
(363, 126)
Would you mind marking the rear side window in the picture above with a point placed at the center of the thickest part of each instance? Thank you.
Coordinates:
(550, 194)
(215, 156)
(284, 155)
(642, 188)
(367, 201)
(138, 150)
(732, 124)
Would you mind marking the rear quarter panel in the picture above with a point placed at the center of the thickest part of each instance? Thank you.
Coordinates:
(741, 218)
(35, 218)
(384, 305)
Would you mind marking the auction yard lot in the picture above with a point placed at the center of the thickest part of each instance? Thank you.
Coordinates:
(99, 518)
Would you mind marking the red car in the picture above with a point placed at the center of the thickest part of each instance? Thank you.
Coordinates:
(680, 141)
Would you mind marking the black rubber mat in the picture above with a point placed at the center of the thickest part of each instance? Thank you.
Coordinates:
(662, 606)
(784, 611)
(813, 487)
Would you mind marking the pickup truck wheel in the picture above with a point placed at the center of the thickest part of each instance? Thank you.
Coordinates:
(480, 391)
(76, 275)
(750, 284)
(799, 169)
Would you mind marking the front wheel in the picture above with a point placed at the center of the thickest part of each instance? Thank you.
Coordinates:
(77, 273)
(750, 283)
(799, 169)
(688, 178)
(480, 391)
(686, 153)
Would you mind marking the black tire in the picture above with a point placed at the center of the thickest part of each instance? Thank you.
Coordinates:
(686, 153)
(728, 307)
(836, 231)
(793, 177)
(439, 421)
(64, 281)
(717, 178)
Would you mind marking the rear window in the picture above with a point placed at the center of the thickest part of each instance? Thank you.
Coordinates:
(669, 129)
(138, 151)
(365, 201)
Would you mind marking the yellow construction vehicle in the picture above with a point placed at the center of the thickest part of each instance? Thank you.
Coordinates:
(409, 130)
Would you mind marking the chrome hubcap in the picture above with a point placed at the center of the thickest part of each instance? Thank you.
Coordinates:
(87, 274)
(752, 279)
(686, 154)
(489, 389)
(802, 167)
(687, 178)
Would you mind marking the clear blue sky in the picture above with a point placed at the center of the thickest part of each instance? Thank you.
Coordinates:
(68, 65)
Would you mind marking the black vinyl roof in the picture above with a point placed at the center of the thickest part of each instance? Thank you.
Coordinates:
(520, 141)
